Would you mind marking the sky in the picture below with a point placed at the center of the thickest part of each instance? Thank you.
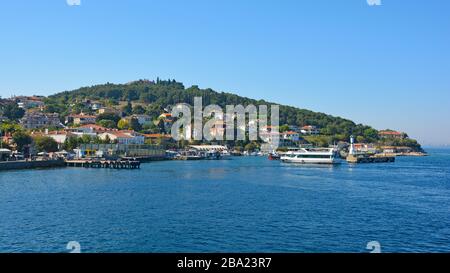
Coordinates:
(386, 64)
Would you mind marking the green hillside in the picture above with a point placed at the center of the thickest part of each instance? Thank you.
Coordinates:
(151, 98)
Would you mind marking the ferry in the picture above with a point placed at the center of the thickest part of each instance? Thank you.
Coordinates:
(312, 156)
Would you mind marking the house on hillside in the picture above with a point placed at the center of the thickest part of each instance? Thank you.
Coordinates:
(167, 121)
(142, 119)
(108, 110)
(310, 130)
(25, 102)
(34, 120)
(80, 119)
(392, 134)
(91, 130)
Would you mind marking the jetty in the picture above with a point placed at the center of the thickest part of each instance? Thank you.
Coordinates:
(104, 164)
(31, 164)
(356, 158)
(370, 159)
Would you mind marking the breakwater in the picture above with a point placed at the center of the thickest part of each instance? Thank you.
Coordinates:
(20, 165)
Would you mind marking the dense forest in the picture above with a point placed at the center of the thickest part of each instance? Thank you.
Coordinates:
(152, 97)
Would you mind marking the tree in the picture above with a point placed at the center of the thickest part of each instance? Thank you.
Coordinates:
(71, 143)
(135, 125)
(85, 139)
(151, 128)
(9, 127)
(154, 110)
(123, 124)
(45, 144)
(4, 145)
(109, 116)
(107, 140)
(371, 133)
(128, 109)
(107, 123)
(250, 147)
(360, 139)
(13, 112)
(284, 128)
(22, 139)
(138, 110)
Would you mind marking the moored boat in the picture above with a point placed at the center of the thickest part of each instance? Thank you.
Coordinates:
(312, 156)
(274, 156)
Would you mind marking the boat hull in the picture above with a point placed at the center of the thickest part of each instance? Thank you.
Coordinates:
(310, 161)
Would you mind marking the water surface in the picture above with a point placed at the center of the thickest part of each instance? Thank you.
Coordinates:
(239, 205)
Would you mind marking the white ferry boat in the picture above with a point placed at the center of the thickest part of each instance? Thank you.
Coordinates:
(312, 156)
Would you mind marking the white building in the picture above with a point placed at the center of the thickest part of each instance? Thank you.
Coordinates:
(310, 130)
(291, 136)
(123, 137)
(143, 119)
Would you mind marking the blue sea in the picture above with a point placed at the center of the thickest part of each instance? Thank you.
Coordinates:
(247, 204)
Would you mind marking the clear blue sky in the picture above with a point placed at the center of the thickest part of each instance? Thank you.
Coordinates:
(387, 66)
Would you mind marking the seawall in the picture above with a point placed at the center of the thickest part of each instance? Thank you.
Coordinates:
(20, 165)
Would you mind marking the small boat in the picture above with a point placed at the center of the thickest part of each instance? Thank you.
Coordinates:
(225, 154)
(213, 155)
(274, 156)
(312, 156)
(189, 155)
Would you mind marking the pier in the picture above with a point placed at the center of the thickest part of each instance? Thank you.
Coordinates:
(30, 164)
(370, 159)
(104, 164)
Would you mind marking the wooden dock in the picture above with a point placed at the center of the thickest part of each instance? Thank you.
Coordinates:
(105, 164)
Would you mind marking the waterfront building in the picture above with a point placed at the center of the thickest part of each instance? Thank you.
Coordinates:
(155, 152)
(34, 120)
(123, 137)
(365, 148)
(207, 148)
(60, 136)
(157, 138)
(396, 149)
